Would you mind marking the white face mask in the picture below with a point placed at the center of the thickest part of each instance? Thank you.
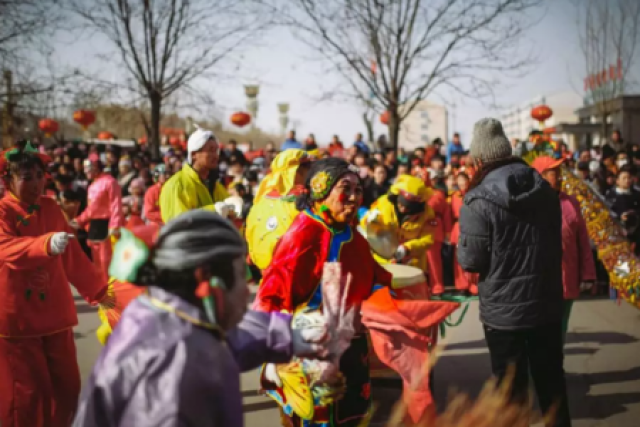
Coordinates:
(620, 163)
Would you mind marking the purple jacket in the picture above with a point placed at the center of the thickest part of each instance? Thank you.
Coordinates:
(160, 370)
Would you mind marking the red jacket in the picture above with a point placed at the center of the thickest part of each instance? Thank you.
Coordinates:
(35, 296)
(577, 259)
(457, 200)
(296, 268)
(151, 210)
(443, 223)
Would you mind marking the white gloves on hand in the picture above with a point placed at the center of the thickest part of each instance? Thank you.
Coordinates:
(373, 215)
(59, 242)
(585, 286)
(310, 342)
(271, 374)
(401, 253)
(223, 209)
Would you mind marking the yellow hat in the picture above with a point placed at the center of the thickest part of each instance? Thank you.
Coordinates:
(411, 187)
(283, 173)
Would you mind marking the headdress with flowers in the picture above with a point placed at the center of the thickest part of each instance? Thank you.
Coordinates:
(12, 154)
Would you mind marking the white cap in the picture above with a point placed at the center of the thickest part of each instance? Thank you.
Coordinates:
(197, 140)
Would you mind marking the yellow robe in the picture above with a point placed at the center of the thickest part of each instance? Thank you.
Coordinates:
(185, 191)
(414, 234)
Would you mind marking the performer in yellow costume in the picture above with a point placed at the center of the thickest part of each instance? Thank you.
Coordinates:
(404, 210)
(274, 207)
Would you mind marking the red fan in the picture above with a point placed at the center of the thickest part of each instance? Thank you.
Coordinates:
(120, 294)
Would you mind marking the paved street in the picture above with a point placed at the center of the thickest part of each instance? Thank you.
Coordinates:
(602, 364)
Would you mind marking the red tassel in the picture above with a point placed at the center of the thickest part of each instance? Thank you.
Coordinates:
(203, 290)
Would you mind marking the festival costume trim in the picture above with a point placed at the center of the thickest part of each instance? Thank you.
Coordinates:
(185, 191)
(38, 368)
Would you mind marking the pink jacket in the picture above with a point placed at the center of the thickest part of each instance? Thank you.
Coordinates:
(104, 201)
(577, 260)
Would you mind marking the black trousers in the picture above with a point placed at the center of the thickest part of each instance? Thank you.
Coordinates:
(537, 350)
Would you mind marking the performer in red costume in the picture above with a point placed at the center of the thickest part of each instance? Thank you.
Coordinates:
(103, 214)
(152, 197)
(442, 225)
(324, 232)
(39, 257)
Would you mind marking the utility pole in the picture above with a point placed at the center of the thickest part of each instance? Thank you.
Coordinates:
(7, 111)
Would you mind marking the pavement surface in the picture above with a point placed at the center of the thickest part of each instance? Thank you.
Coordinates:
(602, 366)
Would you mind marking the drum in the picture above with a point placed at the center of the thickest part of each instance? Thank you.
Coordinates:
(408, 283)
(383, 242)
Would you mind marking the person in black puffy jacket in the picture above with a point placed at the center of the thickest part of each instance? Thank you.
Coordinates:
(511, 234)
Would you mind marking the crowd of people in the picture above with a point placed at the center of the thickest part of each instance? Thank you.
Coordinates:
(480, 221)
(612, 170)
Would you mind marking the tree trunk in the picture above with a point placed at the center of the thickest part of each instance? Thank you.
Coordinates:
(154, 137)
(394, 128)
(368, 123)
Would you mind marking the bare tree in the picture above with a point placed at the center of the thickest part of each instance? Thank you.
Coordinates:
(609, 32)
(166, 45)
(22, 24)
(417, 46)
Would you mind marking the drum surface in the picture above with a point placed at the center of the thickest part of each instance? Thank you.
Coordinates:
(404, 275)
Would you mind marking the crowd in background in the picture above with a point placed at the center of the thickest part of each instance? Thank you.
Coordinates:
(612, 170)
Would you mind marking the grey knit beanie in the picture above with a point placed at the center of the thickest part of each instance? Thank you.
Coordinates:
(489, 143)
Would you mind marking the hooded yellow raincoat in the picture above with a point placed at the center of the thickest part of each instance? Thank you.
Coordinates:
(185, 191)
(273, 208)
(414, 234)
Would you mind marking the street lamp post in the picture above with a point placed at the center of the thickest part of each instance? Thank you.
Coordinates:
(283, 108)
(251, 92)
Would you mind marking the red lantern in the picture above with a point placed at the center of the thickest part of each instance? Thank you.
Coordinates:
(48, 126)
(142, 140)
(384, 118)
(174, 140)
(106, 135)
(84, 118)
(541, 113)
(240, 119)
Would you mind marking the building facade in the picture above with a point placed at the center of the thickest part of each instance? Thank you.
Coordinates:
(622, 114)
(517, 122)
(425, 123)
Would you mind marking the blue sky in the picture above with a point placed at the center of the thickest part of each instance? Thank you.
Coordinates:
(282, 66)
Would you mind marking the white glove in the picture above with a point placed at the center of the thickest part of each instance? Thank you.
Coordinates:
(59, 242)
(271, 374)
(310, 342)
(585, 286)
(373, 215)
(223, 209)
(401, 253)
